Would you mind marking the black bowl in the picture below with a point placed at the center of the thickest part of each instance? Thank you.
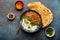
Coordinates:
(38, 28)
(21, 3)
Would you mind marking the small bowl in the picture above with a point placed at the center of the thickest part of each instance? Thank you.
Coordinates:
(19, 5)
(52, 33)
(11, 16)
(39, 27)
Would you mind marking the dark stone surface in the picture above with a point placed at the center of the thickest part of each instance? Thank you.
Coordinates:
(8, 28)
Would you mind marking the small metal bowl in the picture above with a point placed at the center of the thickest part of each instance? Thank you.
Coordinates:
(20, 3)
(11, 16)
(39, 27)
(52, 33)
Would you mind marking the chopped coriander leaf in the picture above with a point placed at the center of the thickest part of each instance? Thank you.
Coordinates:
(49, 31)
(33, 23)
(26, 20)
(28, 26)
(34, 18)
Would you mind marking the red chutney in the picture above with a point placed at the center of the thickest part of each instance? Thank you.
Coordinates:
(19, 4)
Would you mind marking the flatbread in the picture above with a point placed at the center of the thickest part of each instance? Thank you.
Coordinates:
(45, 13)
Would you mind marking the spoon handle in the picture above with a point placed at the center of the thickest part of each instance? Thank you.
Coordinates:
(18, 30)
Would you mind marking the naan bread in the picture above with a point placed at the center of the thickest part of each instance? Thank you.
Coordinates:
(45, 13)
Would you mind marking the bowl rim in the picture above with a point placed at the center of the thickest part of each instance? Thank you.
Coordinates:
(40, 26)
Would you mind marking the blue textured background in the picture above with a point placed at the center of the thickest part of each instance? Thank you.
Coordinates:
(8, 28)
